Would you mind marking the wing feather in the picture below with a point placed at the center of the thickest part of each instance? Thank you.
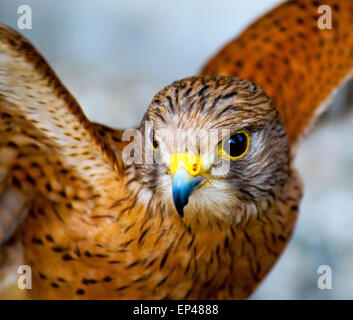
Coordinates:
(299, 66)
(48, 148)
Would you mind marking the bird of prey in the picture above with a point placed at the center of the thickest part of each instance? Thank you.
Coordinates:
(195, 222)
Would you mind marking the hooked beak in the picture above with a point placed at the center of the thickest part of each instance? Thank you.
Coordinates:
(186, 177)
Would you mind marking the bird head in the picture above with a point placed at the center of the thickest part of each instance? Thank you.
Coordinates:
(219, 149)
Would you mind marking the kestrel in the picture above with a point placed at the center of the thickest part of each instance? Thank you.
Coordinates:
(195, 222)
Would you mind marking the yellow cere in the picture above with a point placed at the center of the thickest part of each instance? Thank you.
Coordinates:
(187, 161)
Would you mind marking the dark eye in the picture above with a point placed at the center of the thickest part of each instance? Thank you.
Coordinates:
(235, 146)
(154, 142)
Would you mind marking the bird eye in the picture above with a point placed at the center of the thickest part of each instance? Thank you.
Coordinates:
(154, 142)
(235, 146)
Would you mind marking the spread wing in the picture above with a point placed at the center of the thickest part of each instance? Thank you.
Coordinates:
(299, 65)
(48, 148)
(113, 138)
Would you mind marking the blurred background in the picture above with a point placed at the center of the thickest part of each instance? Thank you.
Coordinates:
(114, 55)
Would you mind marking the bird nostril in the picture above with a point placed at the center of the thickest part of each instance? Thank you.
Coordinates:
(189, 162)
(195, 168)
